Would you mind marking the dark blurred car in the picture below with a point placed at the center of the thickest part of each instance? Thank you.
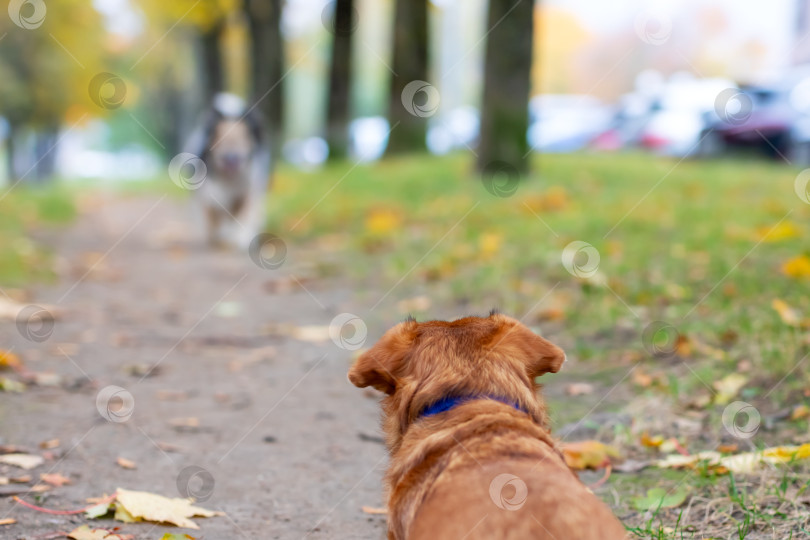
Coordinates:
(754, 117)
(772, 120)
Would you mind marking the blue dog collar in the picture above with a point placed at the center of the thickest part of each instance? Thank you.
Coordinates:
(447, 403)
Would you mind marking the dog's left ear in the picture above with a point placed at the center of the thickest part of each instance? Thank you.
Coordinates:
(380, 366)
(515, 340)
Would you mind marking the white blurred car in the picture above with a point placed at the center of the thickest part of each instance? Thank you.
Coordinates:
(566, 123)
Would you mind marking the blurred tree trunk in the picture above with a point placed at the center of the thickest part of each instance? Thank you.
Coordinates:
(213, 71)
(338, 115)
(11, 149)
(507, 70)
(45, 142)
(410, 63)
(267, 65)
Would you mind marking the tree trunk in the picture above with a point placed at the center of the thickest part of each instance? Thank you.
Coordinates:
(11, 149)
(267, 66)
(212, 68)
(45, 142)
(410, 64)
(507, 70)
(337, 116)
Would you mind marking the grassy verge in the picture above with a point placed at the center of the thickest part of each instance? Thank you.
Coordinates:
(700, 297)
(22, 210)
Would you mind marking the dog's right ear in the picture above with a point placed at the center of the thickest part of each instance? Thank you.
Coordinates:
(380, 365)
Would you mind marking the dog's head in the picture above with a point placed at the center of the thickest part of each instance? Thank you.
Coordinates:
(232, 135)
(417, 364)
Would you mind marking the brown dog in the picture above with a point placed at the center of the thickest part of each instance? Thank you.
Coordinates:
(471, 456)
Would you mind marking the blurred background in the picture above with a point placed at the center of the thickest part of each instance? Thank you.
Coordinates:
(112, 88)
(629, 178)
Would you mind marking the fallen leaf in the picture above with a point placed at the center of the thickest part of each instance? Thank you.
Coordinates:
(9, 309)
(97, 511)
(579, 389)
(783, 231)
(788, 315)
(144, 506)
(54, 479)
(49, 444)
(631, 466)
(728, 448)
(10, 360)
(660, 498)
(10, 385)
(728, 387)
(312, 333)
(125, 463)
(176, 536)
(651, 442)
(372, 510)
(47, 379)
(489, 244)
(190, 423)
(745, 463)
(23, 461)
(24, 479)
(382, 221)
(84, 532)
(8, 521)
(642, 379)
(797, 267)
(802, 411)
(588, 454)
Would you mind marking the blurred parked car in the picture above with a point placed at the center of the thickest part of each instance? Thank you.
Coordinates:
(680, 116)
(566, 123)
(773, 119)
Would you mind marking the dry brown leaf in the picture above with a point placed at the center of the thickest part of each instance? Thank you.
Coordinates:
(190, 422)
(372, 510)
(141, 505)
(802, 411)
(49, 444)
(54, 479)
(23, 461)
(24, 479)
(125, 463)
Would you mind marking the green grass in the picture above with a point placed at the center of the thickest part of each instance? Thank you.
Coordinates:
(679, 243)
(23, 210)
(698, 245)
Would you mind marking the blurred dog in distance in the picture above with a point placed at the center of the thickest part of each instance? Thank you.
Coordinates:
(231, 141)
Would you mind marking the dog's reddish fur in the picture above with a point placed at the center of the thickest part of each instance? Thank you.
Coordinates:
(443, 466)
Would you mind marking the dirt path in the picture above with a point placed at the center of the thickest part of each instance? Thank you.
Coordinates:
(283, 438)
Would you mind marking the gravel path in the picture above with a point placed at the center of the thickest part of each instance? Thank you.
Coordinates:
(283, 444)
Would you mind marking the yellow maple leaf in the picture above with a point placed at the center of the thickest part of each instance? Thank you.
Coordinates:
(782, 231)
(489, 244)
(382, 221)
(797, 267)
(142, 505)
(588, 454)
